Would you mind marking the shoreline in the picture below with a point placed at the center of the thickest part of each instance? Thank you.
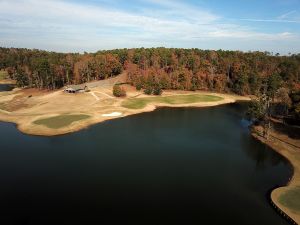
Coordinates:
(24, 107)
(7, 81)
(34, 130)
(292, 155)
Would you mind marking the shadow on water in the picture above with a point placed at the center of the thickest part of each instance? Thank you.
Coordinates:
(171, 166)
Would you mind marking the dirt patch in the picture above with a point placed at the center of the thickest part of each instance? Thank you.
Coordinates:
(18, 102)
(12, 106)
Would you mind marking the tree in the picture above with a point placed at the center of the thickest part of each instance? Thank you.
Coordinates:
(295, 108)
(139, 86)
(157, 90)
(241, 84)
(259, 112)
(42, 72)
(22, 80)
(256, 111)
(284, 100)
(118, 91)
(273, 84)
(254, 83)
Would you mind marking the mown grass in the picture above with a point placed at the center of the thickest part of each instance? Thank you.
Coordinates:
(3, 74)
(140, 103)
(291, 199)
(60, 121)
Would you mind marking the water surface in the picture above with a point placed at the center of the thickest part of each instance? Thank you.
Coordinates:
(6, 87)
(172, 166)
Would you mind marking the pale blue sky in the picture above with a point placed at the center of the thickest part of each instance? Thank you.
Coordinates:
(91, 25)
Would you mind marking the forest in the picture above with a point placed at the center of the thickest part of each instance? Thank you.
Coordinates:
(244, 73)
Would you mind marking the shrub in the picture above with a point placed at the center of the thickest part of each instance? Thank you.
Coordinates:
(118, 91)
(157, 90)
(148, 90)
(193, 87)
(139, 86)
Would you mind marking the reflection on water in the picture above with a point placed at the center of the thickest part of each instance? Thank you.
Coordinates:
(264, 156)
(171, 166)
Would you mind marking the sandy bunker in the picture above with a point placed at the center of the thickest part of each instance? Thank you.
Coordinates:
(114, 114)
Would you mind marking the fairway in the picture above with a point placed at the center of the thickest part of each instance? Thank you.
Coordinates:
(140, 103)
(60, 121)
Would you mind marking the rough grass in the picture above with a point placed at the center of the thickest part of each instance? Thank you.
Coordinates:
(3, 74)
(12, 106)
(60, 121)
(139, 103)
(291, 199)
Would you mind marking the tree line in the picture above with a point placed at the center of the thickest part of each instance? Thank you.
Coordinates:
(51, 70)
(154, 69)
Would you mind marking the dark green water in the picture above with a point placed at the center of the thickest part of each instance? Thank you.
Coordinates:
(172, 166)
(6, 87)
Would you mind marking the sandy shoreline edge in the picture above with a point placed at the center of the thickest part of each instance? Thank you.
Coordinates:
(290, 154)
(30, 129)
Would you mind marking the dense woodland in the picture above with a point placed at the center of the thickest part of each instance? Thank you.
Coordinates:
(252, 73)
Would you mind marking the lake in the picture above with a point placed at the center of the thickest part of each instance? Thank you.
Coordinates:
(172, 166)
(6, 87)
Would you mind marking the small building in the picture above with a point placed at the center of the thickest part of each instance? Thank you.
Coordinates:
(76, 88)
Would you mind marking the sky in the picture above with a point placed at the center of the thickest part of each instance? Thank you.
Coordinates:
(92, 25)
